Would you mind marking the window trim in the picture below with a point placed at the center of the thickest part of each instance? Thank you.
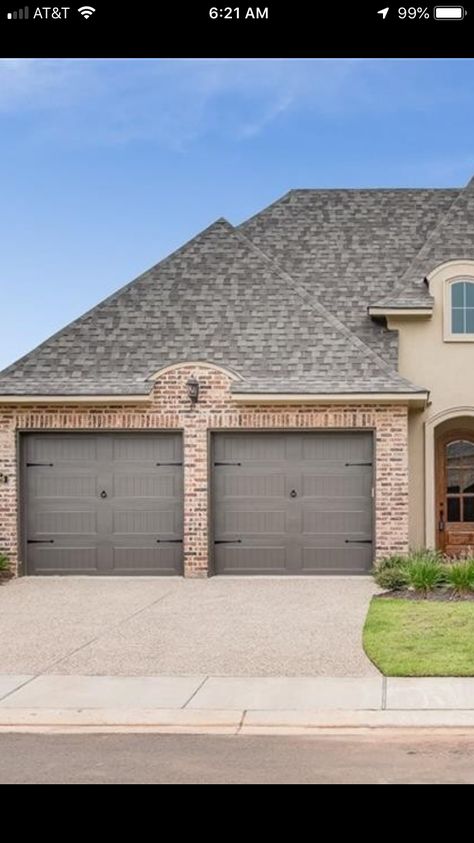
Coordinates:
(449, 336)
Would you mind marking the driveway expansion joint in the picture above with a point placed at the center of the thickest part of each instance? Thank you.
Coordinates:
(47, 668)
(196, 691)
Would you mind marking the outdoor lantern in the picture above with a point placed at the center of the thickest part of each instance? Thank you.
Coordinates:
(193, 389)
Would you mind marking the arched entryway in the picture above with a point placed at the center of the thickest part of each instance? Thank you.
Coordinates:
(442, 426)
(454, 469)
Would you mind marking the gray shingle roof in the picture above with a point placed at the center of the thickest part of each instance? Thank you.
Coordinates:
(349, 248)
(282, 300)
(452, 238)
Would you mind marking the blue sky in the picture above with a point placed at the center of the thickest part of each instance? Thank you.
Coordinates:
(107, 166)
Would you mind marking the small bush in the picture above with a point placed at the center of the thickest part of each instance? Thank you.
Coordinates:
(4, 563)
(460, 576)
(390, 578)
(425, 571)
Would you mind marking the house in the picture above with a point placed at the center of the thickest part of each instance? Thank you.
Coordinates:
(293, 395)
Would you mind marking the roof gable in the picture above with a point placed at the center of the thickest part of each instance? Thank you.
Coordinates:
(349, 248)
(451, 239)
(220, 299)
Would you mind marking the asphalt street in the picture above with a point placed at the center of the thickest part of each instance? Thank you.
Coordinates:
(206, 759)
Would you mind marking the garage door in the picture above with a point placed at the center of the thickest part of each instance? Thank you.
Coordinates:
(292, 503)
(103, 504)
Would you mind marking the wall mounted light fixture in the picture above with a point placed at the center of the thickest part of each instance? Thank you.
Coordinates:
(193, 390)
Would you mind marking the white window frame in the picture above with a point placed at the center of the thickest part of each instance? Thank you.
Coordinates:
(448, 305)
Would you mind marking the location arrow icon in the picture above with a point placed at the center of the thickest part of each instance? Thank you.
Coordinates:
(383, 12)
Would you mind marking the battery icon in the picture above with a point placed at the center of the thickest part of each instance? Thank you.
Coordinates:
(448, 12)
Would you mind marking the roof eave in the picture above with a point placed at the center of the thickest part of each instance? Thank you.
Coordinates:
(75, 399)
(415, 399)
(390, 310)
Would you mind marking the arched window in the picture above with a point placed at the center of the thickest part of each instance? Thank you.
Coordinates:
(462, 308)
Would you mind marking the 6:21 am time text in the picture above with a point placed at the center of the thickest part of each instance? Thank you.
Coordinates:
(229, 13)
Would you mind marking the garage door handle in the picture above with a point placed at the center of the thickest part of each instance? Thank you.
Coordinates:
(40, 541)
(228, 541)
(293, 493)
(103, 494)
(169, 541)
(358, 541)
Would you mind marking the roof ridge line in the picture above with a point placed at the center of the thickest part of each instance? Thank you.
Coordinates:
(316, 304)
(401, 285)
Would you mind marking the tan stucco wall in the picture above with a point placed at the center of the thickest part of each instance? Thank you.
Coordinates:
(447, 370)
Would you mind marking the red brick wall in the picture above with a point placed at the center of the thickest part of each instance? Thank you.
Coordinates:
(170, 409)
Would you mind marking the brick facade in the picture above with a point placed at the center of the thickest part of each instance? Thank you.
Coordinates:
(170, 409)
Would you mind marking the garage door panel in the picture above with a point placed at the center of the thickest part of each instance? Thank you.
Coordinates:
(327, 559)
(130, 447)
(57, 448)
(253, 522)
(253, 449)
(339, 522)
(69, 521)
(346, 504)
(145, 560)
(55, 485)
(336, 485)
(253, 483)
(252, 560)
(128, 504)
(80, 560)
(135, 485)
(337, 446)
(304, 497)
(152, 522)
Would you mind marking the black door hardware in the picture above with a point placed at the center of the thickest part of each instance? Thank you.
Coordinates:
(40, 541)
(169, 541)
(293, 493)
(358, 541)
(358, 463)
(169, 463)
(227, 463)
(228, 541)
(46, 464)
(103, 494)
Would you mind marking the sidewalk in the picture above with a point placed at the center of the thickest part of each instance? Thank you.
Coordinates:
(233, 705)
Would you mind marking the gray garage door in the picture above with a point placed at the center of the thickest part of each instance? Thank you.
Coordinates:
(292, 503)
(103, 504)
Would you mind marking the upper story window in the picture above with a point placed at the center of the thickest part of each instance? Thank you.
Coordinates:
(462, 307)
(459, 309)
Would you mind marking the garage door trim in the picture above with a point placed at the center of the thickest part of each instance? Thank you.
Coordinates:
(214, 432)
(21, 436)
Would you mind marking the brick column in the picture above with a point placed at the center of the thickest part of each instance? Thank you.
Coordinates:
(8, 497)
(196, 470)
(391, 483)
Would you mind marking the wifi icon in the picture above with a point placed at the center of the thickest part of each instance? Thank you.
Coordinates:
(86, 11)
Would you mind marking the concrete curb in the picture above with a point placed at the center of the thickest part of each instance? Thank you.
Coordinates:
(253, 722)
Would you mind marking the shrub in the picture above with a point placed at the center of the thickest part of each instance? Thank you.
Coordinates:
(424, 571)
(4, 563)
(460, 576)
(390, 578)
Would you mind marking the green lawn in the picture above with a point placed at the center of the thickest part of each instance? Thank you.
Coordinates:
(420, 638)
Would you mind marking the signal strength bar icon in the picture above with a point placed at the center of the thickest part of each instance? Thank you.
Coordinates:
(19, 14)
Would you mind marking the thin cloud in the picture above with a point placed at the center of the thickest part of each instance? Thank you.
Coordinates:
(176, 102)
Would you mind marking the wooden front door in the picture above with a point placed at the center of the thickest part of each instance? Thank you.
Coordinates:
(455, 493)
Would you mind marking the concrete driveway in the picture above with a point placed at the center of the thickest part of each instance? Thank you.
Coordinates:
(149, 626)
